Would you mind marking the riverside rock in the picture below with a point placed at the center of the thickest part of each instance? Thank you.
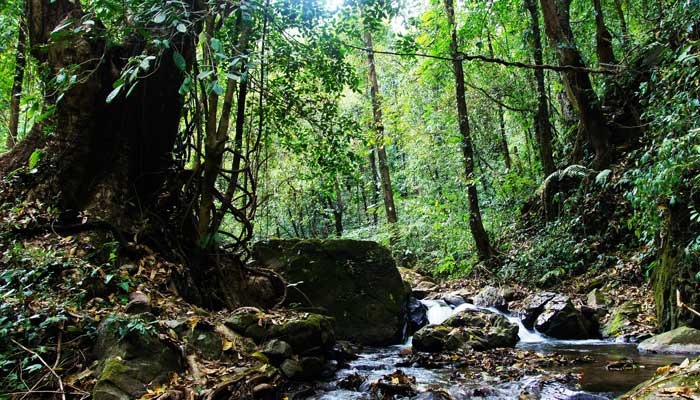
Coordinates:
(476, 329)
(356, 281)
(561, 320)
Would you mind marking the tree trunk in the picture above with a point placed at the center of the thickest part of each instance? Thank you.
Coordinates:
(481, 239)
(623, 22)
(387, 190)
(676, 270)
(375, 184)
(501, 120)
(543, 127)
(603, 39)
(577, 82)
(20, 64)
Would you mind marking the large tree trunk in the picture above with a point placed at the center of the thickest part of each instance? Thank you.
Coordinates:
(387, 190)
(603, 39)
(576, 81)
(675, 275)
(543, 127)
(481, 239)
(96, 159)
(20, 64)
(375, 184)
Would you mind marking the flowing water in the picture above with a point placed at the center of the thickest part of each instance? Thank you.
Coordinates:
(596, 381)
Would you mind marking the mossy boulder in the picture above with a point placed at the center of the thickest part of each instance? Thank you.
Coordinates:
(679, 340)
(356, 281)
(622, 319)
(131, 359)
(670, 382)
(474, 329)
(533, 306)
(309, 334)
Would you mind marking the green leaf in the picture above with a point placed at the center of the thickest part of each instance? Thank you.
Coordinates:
(181, 28)
(179, 61)
(124, 286)
(186, 86)
(34, 158)
(217, 89)
(204, 74)
(216, 45)
(159, 18)
(114, 93)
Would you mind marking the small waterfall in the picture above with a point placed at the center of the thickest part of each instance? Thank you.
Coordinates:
(439, 312)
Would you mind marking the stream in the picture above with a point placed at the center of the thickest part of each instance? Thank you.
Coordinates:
(595, 380)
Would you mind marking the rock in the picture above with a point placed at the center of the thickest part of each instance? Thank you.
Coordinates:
(597, 299)
(670, 382)
(414, 277)
(395, 384)
(453, 299)
(352, 382)
(264, 391)
(423, 289)
(417, 315)
(307, 368)
(491, 297)
(242, 319)
(277, 350)
(344, 351)
(561, 320)
(508, 293)
(138, 303)
(476, 329)
(436, 338)
(130, 364)
(308, 334)
(485, 330)
(621, 320)
(356, 281)
(679, 340)
(533, 306)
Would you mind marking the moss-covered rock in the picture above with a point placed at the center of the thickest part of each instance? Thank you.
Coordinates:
(670, 382)
(356, 281)
(478, 330)
(561, 320)
(309, 334)
(621, 320)
(679, 340)
(130, 359)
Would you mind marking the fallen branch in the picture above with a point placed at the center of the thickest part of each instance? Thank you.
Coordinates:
(35, 354)
(682, 305)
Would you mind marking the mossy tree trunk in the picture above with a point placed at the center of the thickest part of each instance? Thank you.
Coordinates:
(677, 271)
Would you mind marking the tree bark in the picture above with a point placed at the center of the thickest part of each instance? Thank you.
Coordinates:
(20, 64)
(481, 239)
(543, 127)
(577, 82)
(375, 184)
(603, 39)
(623, 22)
(501, 119)
(387, 190)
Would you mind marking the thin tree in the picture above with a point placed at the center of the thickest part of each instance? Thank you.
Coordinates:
(603, 39)
(380, 148)
(484, 249)
(20, 65)
(543, 129)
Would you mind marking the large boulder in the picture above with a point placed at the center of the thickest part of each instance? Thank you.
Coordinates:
(131, 359)
(475, 329)
(561, 320)
(532, 307)
(679, 340)
(356, 281)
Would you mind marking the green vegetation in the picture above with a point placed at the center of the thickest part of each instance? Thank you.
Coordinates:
(146, 145)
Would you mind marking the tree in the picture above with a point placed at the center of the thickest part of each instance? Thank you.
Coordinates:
(576, 80)
(481, 239)
(543, 128)
(379, 146)
(603, 38)
(18, 79)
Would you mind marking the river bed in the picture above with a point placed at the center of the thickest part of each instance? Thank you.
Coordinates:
(595, 380)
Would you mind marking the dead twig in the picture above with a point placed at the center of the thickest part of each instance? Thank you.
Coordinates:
(35, 354)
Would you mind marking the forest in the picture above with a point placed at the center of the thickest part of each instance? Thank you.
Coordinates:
(349, 199)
